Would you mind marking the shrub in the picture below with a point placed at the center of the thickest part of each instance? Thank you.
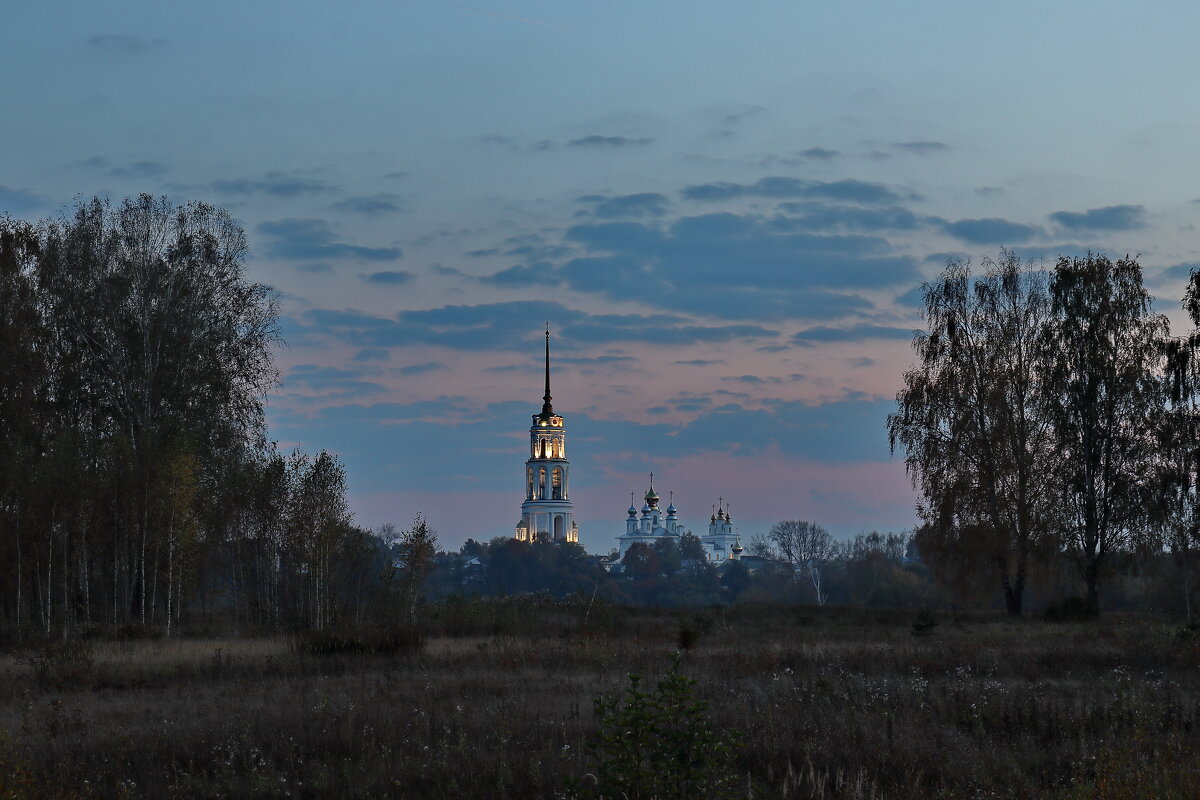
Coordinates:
(658, 745)
(378, 641)
(1069, 609)
(62, 664)
(690, 630)
(134, 632)
(925, 622)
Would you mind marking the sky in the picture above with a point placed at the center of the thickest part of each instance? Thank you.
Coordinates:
(725, 211)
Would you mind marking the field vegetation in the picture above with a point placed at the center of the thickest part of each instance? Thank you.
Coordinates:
(498, 701)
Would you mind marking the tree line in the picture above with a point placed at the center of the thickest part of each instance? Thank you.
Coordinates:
(875, 569)
(1052, 417)
(136, 476)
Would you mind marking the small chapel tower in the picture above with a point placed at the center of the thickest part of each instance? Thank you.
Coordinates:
(547, 513)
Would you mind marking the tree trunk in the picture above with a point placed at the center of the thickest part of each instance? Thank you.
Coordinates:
(154, 582)
(20, 561)
(85, 572)
(1091, 576)
(46, 614)
(1014, 590)
(66, 584)
(142, 559)
(170, 576)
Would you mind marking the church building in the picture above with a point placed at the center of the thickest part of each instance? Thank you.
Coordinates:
(721, 543)
(546, 514)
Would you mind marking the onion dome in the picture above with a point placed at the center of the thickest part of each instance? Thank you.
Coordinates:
(632, 510)
(645, 510)
(737, 544)
(671, 509)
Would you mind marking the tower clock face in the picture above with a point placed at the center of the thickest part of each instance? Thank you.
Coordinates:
(556, 422)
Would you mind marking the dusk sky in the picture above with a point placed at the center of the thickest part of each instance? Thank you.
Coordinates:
(724, 211)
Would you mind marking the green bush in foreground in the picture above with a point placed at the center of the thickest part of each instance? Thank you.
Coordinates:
(659, 745)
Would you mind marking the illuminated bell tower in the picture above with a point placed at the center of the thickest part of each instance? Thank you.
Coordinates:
(546, 514)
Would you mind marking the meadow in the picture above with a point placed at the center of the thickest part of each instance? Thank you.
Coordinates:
(498, 702)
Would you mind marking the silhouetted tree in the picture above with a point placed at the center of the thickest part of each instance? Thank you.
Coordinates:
(416, 549)
(1103, 391)
(973, 425)
(804, 546)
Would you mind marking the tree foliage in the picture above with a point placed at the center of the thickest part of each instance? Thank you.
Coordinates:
(804, 546)
(136, 478)
(1051, 420)
(1104, 395)
(973, 425)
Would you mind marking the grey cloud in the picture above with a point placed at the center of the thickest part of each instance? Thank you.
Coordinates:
(18, 201)
(608, 142)
(496, 138)
(735, 117)
(140, 169)
(331, 380)
(1108, 218)
(758, 380)
(315, 267)
(592, 360)
(392, 278)
(374, 205)
(371, 354)
(814, 215)
(991, 231)
(732, 265)
(724, 265)
(123, 43)
(275, 183)
(536, 274)
(302, 239)
(848, 190)
(644, 204)
(701, 362)
(820, 154)
(1178, 271)
(913, 298)
(943, 257)
(420, 369)
(502, 326)
(854, 333)
(922, 148)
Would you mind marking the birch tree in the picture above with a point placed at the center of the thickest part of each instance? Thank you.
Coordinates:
(972, 422)
(1104, 392)
(805, 546)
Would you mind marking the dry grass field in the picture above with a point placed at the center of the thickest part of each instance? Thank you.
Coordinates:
(827, 703)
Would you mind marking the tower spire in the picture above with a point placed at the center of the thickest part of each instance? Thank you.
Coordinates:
(547, 408)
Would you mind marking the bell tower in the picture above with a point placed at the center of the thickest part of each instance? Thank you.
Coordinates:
(547, 514)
